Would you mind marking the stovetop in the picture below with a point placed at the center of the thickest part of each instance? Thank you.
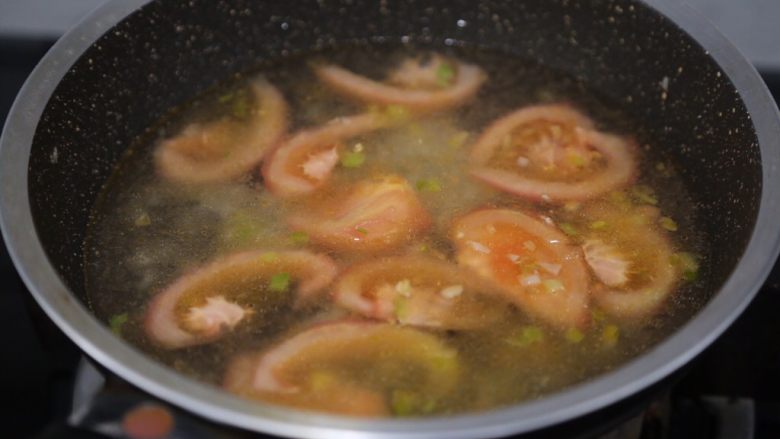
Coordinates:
(732, 390)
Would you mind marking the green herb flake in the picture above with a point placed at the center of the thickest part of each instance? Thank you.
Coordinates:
(598, 225)
(300, 238)
(568, 229)
(361, 230)
(610, 335)
(400, 308)
(279, 282)
(526, 336)
(458, 139)
(409, 403)
(428, 185)
(574, 335)
(668, 223)
(396, 112)
(117, 322)
(687, 264)
(644, 194)
(445, 73)
(553, 286)
(225, 98)
(353, 159)
(269, 257)
(598, 315)
(143, 220)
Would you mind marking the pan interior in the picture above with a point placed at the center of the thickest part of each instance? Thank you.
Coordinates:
(623, 51)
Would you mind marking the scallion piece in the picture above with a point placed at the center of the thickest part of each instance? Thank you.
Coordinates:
(526, 336)
(553, 285)
(668, 223)
(428, 185)
(445, 73)
(280, 282)
(644, 194)
(687, 264)
(610, 335)
(574, 335)
(299, 238)
(568, 229)
(353, 159)
(117, 322)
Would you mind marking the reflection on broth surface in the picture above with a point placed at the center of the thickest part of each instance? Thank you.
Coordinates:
(395, 233)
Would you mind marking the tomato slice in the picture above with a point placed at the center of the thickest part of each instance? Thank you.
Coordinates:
(632, 262)
(328, 367)
(208, 303)
(225, 149)
(304, 162)
(552, 153)
(418, 291)
(532, 263)
(417, 85)
(374, 215)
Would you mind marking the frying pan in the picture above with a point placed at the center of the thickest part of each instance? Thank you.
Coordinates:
(119, 70)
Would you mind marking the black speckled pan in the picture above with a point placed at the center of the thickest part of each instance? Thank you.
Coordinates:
(116, 73)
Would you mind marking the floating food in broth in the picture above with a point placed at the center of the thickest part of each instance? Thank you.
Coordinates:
(374, 215)
(419, 291)
(225, 148)
(205, 305)
(531, 262)
(356, 368)
(419, 84)
(384, 259)
(552, 153)
(303, 163)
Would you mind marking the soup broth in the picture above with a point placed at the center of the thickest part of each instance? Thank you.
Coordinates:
(397, 273)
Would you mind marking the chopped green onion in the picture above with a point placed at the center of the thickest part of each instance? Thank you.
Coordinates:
(445, 73)
(408, 402)
(361, 230)
(279, 282)
(553, 285)
(396, 112)
(428, 185)
(526, 336)
(445, 363)
(644, 194)
(619, 197)
(687, 264)
(117, 322)
(143, 220)
(576, 160)
(269, 257)
(574, 335)
(568, 229)
(610, 335)
(400, 308)
(458, 139)
(241, 106)
(353, 159)
(598, 315)
(668, 223)
(598, 225)
(299, 238)
(225, 98)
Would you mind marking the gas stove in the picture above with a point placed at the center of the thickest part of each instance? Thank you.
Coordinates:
(49, 389)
